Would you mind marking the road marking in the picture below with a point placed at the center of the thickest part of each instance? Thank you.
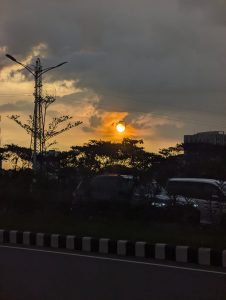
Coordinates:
(115, 259)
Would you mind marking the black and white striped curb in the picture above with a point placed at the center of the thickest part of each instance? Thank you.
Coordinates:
(185, 254)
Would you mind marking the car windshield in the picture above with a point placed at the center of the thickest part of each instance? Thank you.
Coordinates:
(110, 184)
(193, 189)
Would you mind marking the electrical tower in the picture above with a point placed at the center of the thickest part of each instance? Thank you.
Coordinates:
(37, 120)
(37, 142)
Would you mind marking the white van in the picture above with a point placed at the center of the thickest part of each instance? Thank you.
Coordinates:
(205, 194)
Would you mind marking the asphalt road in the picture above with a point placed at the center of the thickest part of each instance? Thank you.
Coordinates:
(31, 274)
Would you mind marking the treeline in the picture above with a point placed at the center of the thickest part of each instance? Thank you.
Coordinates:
(61, 171)
(127, 157)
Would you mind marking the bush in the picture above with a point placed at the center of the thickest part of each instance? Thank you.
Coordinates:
(181, 214)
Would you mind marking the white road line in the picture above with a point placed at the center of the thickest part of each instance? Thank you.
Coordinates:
(115, 260)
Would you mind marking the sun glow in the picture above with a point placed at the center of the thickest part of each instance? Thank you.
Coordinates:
(120, 127)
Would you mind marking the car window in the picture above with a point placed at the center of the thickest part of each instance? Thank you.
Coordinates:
(199, 190)
(186, 189)
(210, 191)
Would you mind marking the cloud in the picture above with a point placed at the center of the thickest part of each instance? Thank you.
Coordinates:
(95, 121)
(88, 129)
(19, 106)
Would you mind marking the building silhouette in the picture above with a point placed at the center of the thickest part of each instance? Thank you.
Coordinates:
(210, 143)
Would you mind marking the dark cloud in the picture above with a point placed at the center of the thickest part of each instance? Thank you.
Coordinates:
(88, 129)
(19, 106)
(169, 131)
(79, 98)
(95, 121)
(214, 10)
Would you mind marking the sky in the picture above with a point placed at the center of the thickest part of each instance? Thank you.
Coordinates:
(157, 65)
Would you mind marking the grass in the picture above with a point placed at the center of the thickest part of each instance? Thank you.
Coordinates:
(116, 227)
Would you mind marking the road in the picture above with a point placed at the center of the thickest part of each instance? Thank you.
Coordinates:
(47, 274)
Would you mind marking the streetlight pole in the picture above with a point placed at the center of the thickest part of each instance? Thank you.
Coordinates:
(37, 95)
(37, 72)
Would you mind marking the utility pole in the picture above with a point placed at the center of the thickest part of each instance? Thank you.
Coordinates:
(37, 132)
(37, 117)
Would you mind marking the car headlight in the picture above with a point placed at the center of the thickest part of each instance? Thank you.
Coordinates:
(158, 204)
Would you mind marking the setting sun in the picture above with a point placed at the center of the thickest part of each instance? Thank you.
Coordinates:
(120, 127)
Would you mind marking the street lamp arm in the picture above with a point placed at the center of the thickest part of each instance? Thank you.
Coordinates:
(11, 57)
(61, 64)
(51, 68)
(19, 63)
(27, 68)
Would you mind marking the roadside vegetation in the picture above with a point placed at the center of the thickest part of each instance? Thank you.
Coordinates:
(116, 226)
(44, 205)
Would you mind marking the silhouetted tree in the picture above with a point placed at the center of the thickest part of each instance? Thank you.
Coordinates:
(99, 156)
(16, 156)
(171, 163)
(172, 151)
(47, 132)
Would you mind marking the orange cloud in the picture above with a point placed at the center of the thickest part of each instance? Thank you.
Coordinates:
(107, 130)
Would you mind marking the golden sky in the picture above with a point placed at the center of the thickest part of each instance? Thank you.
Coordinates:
(16, 92)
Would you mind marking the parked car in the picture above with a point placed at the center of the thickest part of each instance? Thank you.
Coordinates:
(207, 195)
(109, 189)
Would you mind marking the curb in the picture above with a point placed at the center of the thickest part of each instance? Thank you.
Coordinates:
(184, 254)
